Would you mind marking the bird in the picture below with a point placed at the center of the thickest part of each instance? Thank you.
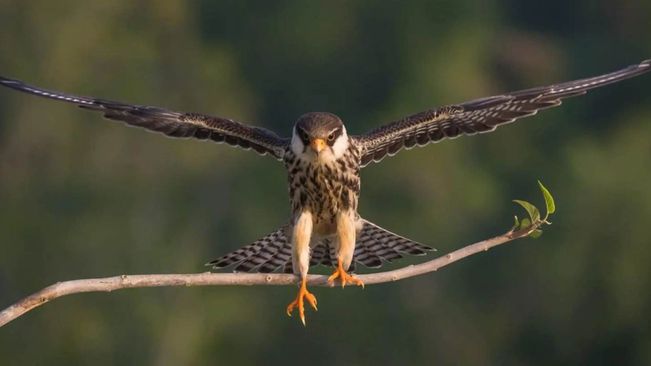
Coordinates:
(323, 163)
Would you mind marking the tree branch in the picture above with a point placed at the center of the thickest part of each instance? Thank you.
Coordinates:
(109, 284)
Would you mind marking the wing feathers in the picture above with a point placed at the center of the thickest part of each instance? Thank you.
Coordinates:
(480, 115)
(170, 123)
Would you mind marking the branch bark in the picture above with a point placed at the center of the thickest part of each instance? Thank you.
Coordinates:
(108, 284)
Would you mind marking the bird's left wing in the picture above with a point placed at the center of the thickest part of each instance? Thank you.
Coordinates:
(477, 116)
(170, 123)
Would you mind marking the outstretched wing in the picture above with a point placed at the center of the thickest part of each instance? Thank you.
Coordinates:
(480, 115)
(173, 124)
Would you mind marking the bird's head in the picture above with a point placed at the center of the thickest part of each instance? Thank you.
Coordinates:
(319, 136)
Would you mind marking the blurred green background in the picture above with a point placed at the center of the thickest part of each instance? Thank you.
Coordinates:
(83, 197)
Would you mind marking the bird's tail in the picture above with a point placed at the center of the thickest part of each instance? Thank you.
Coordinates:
(264, 255)
(374, 246)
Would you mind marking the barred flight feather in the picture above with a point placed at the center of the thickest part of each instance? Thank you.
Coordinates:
(478, 116)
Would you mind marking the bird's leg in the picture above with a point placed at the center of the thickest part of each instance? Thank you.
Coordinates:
(346, 234)
(301, 235)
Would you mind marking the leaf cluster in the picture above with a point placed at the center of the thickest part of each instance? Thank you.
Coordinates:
(535, 220)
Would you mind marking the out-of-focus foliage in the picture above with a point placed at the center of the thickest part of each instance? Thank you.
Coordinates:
(84, 197)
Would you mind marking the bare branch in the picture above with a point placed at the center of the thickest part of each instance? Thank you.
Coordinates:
(109, 284)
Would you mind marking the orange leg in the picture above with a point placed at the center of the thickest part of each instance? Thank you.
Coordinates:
(303, 293)
(344, 277)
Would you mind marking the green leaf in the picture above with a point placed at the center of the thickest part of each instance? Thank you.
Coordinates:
(525, 224)
(549, 200)
(536, 234)
(532, 210)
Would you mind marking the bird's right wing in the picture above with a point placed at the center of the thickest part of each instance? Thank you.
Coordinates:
(170, 123)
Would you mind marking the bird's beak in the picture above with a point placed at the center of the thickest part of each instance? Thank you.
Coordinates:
(318, 145)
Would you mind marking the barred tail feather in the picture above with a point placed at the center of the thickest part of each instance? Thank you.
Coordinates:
(265, 255)
(376, 245)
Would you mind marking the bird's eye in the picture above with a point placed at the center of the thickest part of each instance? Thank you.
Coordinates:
(331, 137)
(303, 135)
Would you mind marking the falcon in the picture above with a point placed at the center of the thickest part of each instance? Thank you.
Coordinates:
(323, 163)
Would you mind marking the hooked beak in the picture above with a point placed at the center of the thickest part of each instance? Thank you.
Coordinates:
(318, 145)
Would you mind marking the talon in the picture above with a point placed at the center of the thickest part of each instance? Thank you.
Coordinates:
(344, 277)
(303, 294)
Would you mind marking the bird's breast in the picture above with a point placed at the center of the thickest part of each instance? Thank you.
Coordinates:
(323, 189)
